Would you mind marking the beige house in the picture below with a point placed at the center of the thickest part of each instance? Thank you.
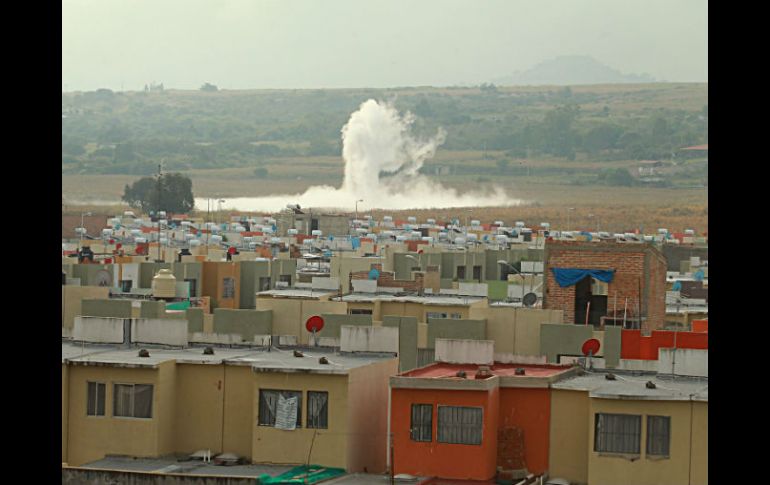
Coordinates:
(182, 401)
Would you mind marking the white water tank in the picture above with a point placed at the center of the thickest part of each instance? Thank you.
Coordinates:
(164, 284)
(292, 232)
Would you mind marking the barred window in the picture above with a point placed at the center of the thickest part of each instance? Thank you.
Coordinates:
(268, 406)
(422, 422)
(460, 425)
(658, 435)
(317, 410)
(360, 311)
(132, 400)
(435, 315)
(618, 433)
(96, 396)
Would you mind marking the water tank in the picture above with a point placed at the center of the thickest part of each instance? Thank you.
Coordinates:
(106, 232)
(519, 224)
(128, 214)
(472, 237)
(416, 234)
(401, 237)
(475, 222)
(215, 239)
(194, 243)
(460, 241)
(545, 225)
(689, 232)
(387, 218)
(662, 230)
(189, 237)
(140, 240)
(431, 221)
(292, 232)
(164, 284)
(316, 232)
(275, 240)
(136, 232)
(411, 219)
(428, 239)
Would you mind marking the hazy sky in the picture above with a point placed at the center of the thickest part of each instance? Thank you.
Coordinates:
(238, 44)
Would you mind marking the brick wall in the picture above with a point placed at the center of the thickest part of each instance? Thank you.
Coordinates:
(635, 266)
(387, 279)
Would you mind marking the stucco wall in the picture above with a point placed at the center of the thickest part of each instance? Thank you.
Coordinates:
(72, 298)
(106, 308)
(407, 340)
(455, 329)
(165, 331)
(246, 323)
(569, 447)
(699, 462)
(98, 330)
(564, 339)
(362, 338)
(199, 407)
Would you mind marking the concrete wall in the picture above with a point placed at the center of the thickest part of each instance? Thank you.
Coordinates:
(194, 317)
(564, 339)
(251, 272)
(148, 270)
(246, 323)
(699, 462)
(367, 416)
(290, 315)
(333, 323)
(684, 362)
(72, 299)
(190, 271)
(569, 446)
(238, 422)
(164, 331)
(612, 345)
(329, 446)
(457, 351)
(98, 330)
(91, 274)
(106, 308)
(199, 406)
(604, 469)
(361, 338)
(342, 267)
(95, 436)
(407, 340)
(455, 329)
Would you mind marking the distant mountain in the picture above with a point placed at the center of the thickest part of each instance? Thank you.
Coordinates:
(571, 70)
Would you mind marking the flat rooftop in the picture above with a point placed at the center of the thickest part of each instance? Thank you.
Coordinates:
(443, 370)
(625, 386)
(260, 359)
(297, 293)
(172, 465)
(448, 300)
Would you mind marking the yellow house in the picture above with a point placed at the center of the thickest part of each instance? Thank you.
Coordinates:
(637, 430)
(176, 402)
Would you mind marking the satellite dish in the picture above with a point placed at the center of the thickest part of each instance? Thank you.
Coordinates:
(590, 346)
(529, 299)
(314, 324)
(103, 278)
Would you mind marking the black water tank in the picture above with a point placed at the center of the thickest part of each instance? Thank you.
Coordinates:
(183, 252)
(85, 253)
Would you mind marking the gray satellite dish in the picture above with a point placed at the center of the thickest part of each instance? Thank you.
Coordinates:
(529, 299)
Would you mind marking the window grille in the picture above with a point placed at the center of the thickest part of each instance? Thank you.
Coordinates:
(317, 410)
(617, 433)
(658, 435)
(460, 425)
(268, 406)
(422, 422)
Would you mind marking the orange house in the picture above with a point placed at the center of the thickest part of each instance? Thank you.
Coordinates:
(463, 421)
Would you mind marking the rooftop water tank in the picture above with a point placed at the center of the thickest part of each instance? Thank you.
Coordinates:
(164, 284)
(215, 239)
(316, 232)
(519, 223)
(431, 221)
(411, 219)
(292, 232)
(475, 222)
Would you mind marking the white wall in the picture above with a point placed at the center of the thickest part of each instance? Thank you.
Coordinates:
(98, 330)
(684, 362)
(165, 331)
(461, 351)
(360, 338)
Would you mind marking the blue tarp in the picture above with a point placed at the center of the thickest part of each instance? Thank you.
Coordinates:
(570, 276)
(355, 242)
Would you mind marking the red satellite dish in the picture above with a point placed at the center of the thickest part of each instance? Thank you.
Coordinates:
(591, 346)
(314, 324)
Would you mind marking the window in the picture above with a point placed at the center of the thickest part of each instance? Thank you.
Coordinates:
(435, 315)
(132, 401)
(268, 405)
(422, 422)
(264, 284)
(193, 286)
(228, 288)
(456, 316)
(461, 272)
(317, 410)
(360, 311)
(96, 396)
(658, 435)
(477, 273)
(125, 285)
(618, 433)
(285, 278)
(459, 425)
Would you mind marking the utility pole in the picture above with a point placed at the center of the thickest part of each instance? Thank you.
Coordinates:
(157, 212)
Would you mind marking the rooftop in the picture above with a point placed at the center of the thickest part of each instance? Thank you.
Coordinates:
(425, 300)
(172, 465)
(627, 386)
(441, 370)
(260, 359)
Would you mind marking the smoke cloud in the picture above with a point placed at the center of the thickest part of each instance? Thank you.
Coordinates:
(382, 163)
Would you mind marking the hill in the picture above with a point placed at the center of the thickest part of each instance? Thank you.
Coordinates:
(570, 71)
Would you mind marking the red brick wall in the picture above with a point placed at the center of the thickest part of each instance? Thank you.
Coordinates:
(629, 265)
(387, 279)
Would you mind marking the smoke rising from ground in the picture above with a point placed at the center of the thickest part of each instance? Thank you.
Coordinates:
(382, 163)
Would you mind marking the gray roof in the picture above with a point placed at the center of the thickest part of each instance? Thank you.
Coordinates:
(260, 359)
(425, 300)
(626, 386)
(297, 293)
(171, 465)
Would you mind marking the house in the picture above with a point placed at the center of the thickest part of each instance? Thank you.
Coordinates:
(464, 421)
(653, 428)
(265, 405)
(620, 281)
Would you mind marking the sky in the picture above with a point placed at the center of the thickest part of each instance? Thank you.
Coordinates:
(297, 44)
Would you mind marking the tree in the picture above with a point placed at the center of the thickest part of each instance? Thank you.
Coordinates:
(260, 172)
(210, 88)
(502, 165)
(175, 194)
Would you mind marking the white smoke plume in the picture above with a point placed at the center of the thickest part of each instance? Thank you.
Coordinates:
(377, 141)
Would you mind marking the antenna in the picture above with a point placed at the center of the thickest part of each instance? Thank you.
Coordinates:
(314, 324)
(590, 348)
